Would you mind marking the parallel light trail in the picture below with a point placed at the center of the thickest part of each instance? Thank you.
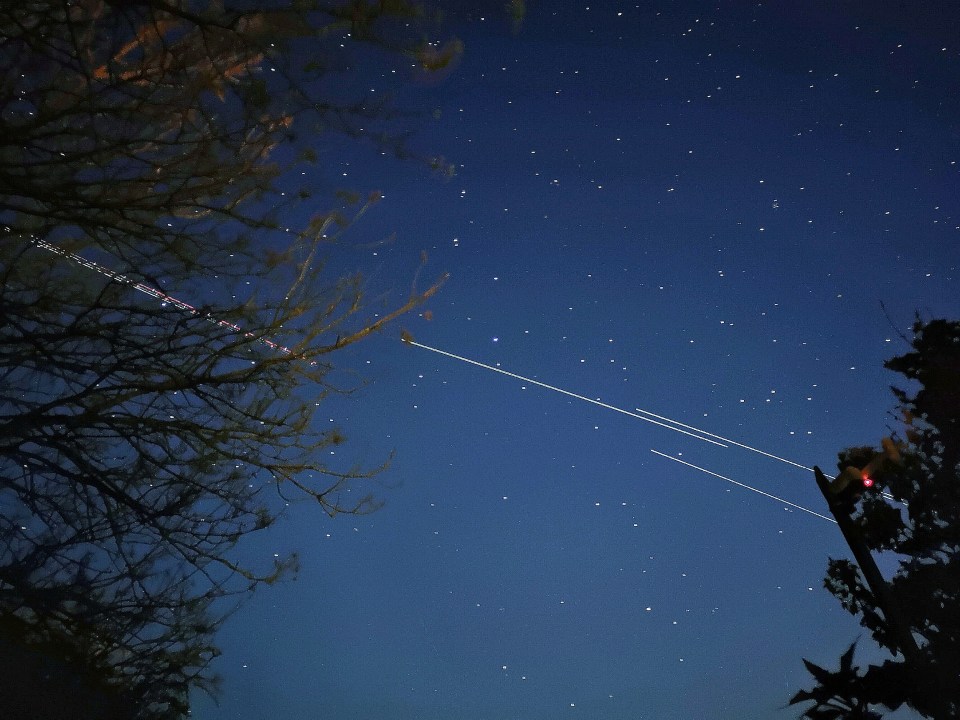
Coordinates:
(676, 427)
(639, 413)
(743, 485)
(647, 416)
(732, 442)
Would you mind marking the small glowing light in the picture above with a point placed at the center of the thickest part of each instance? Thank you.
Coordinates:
(867, 482)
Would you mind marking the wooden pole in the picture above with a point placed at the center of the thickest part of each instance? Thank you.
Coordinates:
(892, 612)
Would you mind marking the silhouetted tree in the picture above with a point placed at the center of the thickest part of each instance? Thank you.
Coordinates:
(146, 150)
(912, 511)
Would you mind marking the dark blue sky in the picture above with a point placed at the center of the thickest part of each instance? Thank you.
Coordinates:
(695, 209)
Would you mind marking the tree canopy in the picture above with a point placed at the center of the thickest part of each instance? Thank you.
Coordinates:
(911, 512)
(166, 320)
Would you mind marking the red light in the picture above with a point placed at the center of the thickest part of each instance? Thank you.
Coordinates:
(867, 481)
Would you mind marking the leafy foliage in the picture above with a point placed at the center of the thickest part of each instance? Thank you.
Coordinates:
(921, 527)
(145, 151)
(838, 694)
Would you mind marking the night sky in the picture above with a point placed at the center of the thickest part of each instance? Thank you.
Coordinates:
(695, 210)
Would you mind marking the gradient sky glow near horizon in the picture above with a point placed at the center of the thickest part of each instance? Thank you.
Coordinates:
(697, 209)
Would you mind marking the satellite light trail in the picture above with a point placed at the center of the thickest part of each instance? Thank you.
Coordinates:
(743, 485)
(638, 413)
(731, 442)
(675, 426)
(646, 416)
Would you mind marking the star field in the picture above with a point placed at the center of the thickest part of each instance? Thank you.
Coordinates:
(725, 216)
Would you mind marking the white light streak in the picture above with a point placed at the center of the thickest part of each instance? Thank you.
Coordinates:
(655, 419)
(676, 427)
(731, 442)
(743, 485)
